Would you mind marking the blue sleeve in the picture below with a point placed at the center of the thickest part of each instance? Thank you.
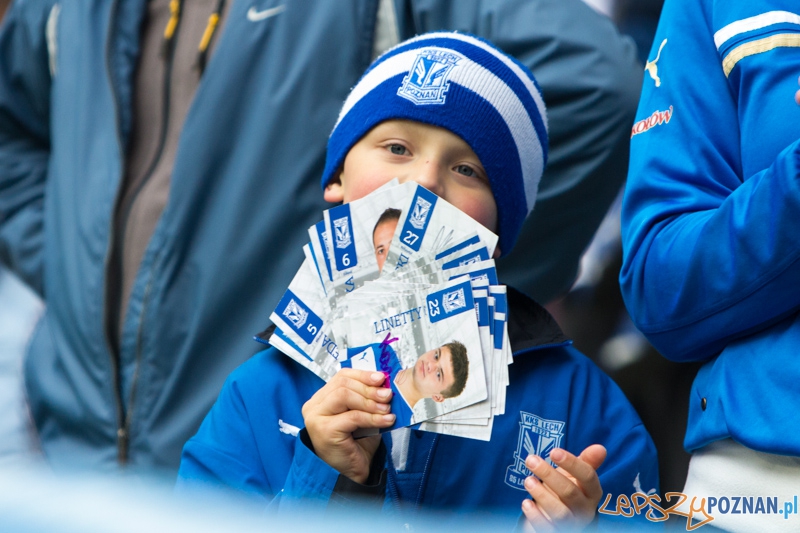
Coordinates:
(590, 79)
(24, 136)
(225, 452)
(631, 464)
(248, 441)
(600, 413)
(711, 214)
(309, 485)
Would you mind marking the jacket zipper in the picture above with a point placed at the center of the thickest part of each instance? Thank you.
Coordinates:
(124, 412)
(126, 424)
(115, 374)
(425, 473)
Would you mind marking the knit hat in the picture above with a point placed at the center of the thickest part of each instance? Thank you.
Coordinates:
(469, 87)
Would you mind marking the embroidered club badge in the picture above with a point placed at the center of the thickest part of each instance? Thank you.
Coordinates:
(536, 436)
(426, 82)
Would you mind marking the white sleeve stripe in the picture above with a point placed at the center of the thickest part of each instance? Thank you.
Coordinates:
(754, 23)
(759, 46)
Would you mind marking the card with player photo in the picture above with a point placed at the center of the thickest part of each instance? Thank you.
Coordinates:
(429, 224)
(433, 337)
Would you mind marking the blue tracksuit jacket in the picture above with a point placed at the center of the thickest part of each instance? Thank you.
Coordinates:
(711, 215)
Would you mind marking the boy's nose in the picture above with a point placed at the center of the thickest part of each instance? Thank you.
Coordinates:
(429, 174)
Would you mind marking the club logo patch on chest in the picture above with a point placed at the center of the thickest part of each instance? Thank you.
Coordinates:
(536, 436)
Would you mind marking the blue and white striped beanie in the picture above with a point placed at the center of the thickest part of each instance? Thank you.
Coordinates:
(466, 85)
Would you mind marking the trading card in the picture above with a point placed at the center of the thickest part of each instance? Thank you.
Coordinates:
(431, 225)
(359, 231)
(432, 339)
(285, 345)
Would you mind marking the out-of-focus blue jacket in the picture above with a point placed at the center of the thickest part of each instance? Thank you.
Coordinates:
(711, 215)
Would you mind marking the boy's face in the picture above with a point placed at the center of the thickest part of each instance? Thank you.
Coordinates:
(433, 373)
(411, 151)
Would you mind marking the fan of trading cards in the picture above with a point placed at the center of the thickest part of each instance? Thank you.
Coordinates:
(404, 283)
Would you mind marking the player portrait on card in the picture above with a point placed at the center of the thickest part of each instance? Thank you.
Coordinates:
(436, 375)
(418, 329)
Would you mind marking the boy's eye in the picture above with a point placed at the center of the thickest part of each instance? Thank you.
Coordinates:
(397, 149)
(466, 170)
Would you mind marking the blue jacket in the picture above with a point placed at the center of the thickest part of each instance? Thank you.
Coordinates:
(556, 397)
(711, 215)
(244, 188)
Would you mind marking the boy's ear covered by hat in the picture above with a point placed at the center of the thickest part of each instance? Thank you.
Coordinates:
(466, 85)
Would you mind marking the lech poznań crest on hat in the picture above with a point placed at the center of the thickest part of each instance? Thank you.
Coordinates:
(537, 436)
(426, 82)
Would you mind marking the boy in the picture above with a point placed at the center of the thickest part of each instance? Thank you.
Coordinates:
(461, 118)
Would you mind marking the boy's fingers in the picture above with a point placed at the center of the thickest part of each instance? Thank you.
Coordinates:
(343, 399)
(365, 376)
(361, 381)
(593, 455)
(335, 428)
(574, 489)
(583, 468)
(352, 420)
(549, 504)
(536, 519)
(367, 384)
(339, 428)
(564, 488)
(337, 395)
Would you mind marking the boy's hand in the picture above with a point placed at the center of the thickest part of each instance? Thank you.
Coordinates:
(352, 399)
(567, 497)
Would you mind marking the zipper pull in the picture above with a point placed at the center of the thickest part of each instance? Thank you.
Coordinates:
(213, 20)
(208, 34)
(122, 445)
(172, 25)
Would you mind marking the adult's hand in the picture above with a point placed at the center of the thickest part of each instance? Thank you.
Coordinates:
(351, 400)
